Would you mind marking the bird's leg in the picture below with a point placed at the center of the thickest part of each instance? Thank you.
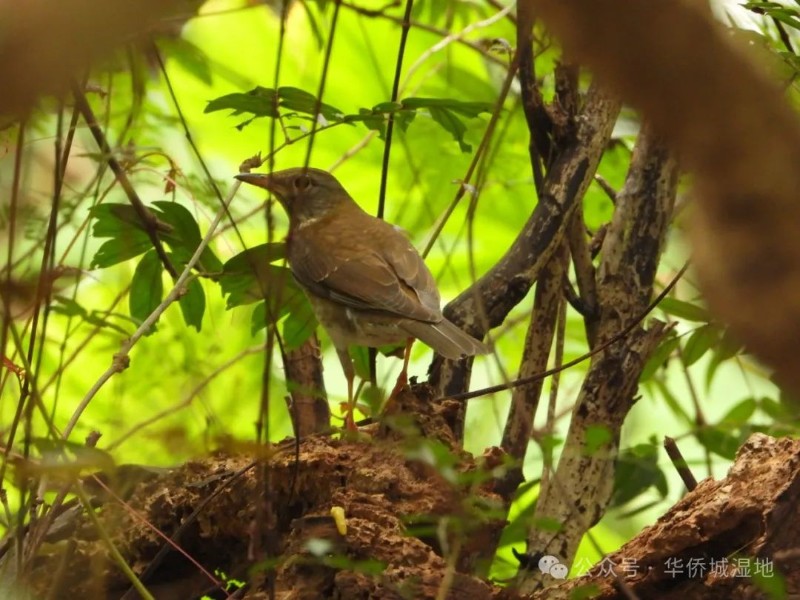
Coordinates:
(350, 375)
(402, 379)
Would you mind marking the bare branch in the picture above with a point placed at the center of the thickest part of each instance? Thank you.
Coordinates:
(583, 482)
(733, 127)
(507, 283)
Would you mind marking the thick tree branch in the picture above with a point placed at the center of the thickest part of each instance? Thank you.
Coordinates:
(507, 283)
(581, 487)
(732, 127)
(538, 341)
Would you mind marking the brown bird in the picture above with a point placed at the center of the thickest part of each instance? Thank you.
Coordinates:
(365, 281)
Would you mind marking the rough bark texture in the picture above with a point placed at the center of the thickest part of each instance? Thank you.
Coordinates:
(732, 127)
(538, 340)
(309, 406)
(750, 518)
(507, 283)
(577, 495)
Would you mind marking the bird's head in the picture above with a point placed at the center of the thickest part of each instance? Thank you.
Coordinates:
(304, 193)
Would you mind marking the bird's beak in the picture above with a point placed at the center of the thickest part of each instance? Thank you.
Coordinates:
(279, 186)
(261, 180)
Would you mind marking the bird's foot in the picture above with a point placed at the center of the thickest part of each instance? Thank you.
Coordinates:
(349, 421)
(400, 384)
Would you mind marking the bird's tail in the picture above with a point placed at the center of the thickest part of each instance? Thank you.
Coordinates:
(446, 338)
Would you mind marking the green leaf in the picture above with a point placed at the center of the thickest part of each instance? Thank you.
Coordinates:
(120, 223)
(740, 414)
(673, 403)
(360, 356)
(246, 261)
(597, 436)
(258, 319)
(585, 592)
(637, 471)
(660, 357)
(373, 121)
(189, 56)
(128, 237)
(112, 219)
(769, 581)
(684, 310)
(260, 102)
(547, 524)
(453, 125)
(303, 102)
(265, 102)
(700, 341)
(444, 111)
(249, 277)
(719, 441)
(185, 236)
(68, 307)
(246, 288)
(291, 302)
(193, 304)
(146, 288)
(299, 325)
(467, 109)
(118, 250)
(781, 412)
(727, 348)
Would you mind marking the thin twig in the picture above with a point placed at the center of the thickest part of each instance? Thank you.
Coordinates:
(145, 216)
(398, 70)
(568, 365)
(189, 397)
(679, 463)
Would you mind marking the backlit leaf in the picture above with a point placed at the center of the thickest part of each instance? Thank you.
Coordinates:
(147, 289)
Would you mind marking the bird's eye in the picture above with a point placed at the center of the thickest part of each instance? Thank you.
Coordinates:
(302, 182)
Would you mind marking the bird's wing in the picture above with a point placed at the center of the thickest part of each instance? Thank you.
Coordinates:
(381, 272)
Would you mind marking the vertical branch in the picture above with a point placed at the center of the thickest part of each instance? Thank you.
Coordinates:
(322, 81)
(398, 70)
(309, 405)
(539, 122)
(538, 342)
(582, 485)
(584, 274)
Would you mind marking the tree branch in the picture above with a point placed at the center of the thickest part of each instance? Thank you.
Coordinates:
(507, 283)
(538, 342)
(581, 487)
(732, 126)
